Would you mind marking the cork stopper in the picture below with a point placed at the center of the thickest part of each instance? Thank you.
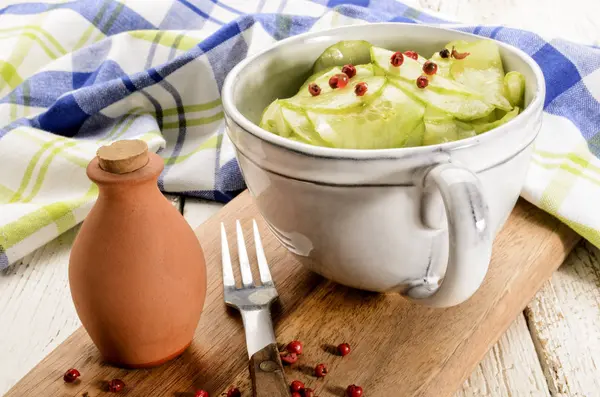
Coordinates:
(124, 156)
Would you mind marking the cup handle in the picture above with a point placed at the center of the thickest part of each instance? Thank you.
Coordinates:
(469, 233)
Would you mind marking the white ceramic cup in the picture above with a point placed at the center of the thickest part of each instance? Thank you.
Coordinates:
(418, 221)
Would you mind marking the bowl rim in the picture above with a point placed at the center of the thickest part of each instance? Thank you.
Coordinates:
(232, 112)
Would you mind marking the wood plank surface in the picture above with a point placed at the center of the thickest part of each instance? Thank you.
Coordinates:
(565, 320)
(427, 352)
(511, 368)
(34, 318)
(575, 20)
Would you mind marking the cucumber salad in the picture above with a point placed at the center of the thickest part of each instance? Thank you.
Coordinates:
(364, 97)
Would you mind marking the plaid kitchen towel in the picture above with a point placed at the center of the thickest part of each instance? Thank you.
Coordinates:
(77, 74)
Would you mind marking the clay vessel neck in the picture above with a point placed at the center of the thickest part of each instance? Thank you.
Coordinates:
(129, 185)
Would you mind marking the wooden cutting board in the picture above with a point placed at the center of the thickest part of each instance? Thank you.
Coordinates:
(399, 348)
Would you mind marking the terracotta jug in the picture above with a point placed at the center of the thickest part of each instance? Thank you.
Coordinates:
(137, 272)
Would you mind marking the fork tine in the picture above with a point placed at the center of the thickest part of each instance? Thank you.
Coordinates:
(228, 279)
(263, 266)
(243, 255)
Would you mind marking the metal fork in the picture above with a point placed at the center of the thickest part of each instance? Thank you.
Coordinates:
(254, 304)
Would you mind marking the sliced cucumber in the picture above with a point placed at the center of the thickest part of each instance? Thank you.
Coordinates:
(490, 82)
(389, 121)
(339, 100)
(460, 106)
(415, 137)
(439, 127)
(481, 70)
(272, 120)
(483, 54)
(465, 130)
(481, 128)
(410, 70)
(355, 52)
(267, 120)
(464, 98)
(301, 126)
(493, 116)
(514, 88)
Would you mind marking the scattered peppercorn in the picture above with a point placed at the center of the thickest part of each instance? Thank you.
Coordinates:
(234, 392)
(349, 70)
(296, 386)
(361, 88)
(412, 54)
(288, 358)
(397, 59)
(445, 53)
(354, 391)
(343, 349)
(430, 68)
(339, 80)
(422, 82)
(71, 375)
(314, 89)
(116, 385)
(459, 55)
(295, 346)
(321, 371)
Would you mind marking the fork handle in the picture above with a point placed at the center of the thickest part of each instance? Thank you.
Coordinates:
(266, 371)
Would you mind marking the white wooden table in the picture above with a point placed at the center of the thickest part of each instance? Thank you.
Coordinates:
(552, 349)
